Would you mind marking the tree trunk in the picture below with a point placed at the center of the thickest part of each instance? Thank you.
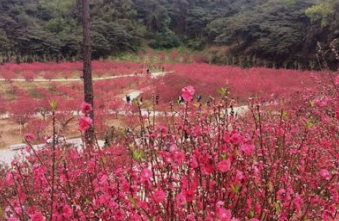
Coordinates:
(87, 67)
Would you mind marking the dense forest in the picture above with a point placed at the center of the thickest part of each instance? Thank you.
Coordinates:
(280, 32)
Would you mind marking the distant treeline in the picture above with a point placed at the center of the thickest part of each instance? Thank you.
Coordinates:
(280, 32)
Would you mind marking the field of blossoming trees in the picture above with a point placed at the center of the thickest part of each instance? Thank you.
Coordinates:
(26, 90)
(197, 160)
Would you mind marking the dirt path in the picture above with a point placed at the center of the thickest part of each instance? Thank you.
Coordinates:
(153, 75)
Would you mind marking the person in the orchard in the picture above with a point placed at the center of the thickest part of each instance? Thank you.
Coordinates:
(141, 100)
(128, 99)
(180, 99)
(232, 103)
(157, 99)
(199, 98)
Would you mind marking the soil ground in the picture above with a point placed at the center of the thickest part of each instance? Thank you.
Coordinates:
(10, 131)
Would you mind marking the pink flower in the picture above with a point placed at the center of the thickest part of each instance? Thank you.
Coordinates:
(322, 102)
(336, 80)
(247, 149)
(22, 196)
(27, 148)
(189, 195)
(239, 175)
(39, 171)
(190, 217)
(236, 138)
(220, 204)
(325, 119)
(188, 93)
(146, 174)
(86, 108)
(37, 217)
(224, 214)
(85, 123)
(179, 157)
(173, 148)
(325, 174)
(257, 208)
(154, 134)
(104, 180)
(159, 196)
(224, 165)
(281, 194)
(67, 212)
(297, 202)
(180, 199)
(29, 137)
(164, 130)
(9, 178)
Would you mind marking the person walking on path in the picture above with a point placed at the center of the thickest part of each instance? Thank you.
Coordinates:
(157, 97)
(128, 98)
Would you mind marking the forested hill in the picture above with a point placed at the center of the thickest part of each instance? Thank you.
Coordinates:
(285, 32)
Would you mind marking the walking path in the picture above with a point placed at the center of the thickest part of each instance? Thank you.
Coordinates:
(153, 75)
(64, 79)
(7, 155)
(240, 110)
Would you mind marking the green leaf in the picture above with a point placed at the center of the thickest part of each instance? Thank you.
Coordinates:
(223, 91)
(284, 115)
(237, 153)
(134, 202)
(277, 206)
(235, 189)
(137, 155)
(104, 160)
(53, 105)
(309, 124)
(2, 213)
(196, 105)
(312, 103)
(223, 156)
(136, 102)
(63, 153)
(251, 214)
